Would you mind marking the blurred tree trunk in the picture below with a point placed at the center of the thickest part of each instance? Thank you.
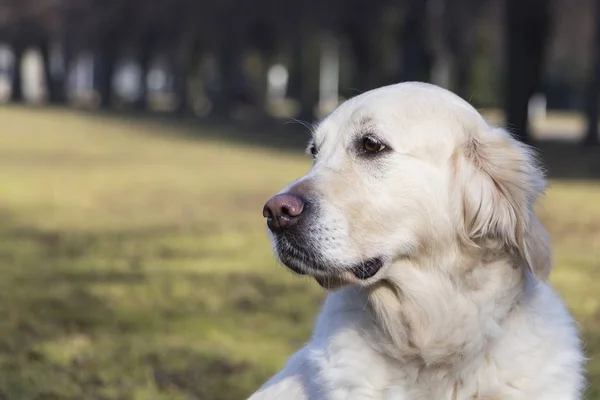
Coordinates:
(263, 38)
(296, 77)
(416, 53)
(228, 61)
(16, 84)
(527, 28)
(145, 58)
(364, 56)
(460, 22)
(593, 87)
(107, 58)
(463, 69)
(55, 85)
(303, 83)
(181, 91)
(183, 58)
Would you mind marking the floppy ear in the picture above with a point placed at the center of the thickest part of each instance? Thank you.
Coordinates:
(501, 183)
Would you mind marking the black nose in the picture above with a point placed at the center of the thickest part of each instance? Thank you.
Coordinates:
(283, 211)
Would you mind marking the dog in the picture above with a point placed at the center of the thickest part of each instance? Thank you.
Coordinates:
(418, 217)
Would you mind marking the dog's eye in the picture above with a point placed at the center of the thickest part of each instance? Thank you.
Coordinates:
(371, 145)
(312, 150)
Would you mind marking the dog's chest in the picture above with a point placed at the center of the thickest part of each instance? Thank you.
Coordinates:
(347, 364)
(354, 374)
(348, 358)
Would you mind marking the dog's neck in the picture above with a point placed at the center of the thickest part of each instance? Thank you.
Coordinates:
(443, 318)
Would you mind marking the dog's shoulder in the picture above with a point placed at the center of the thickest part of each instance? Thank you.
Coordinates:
(540, 352)
(339, 360)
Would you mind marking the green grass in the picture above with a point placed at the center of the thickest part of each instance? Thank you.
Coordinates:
(134, 260)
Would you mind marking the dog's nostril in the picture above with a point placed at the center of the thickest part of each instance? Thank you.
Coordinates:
(266, 212)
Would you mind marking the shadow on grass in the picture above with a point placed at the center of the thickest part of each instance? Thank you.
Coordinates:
(569, 161)
(562, 159)
(80, 322)
(283, 135)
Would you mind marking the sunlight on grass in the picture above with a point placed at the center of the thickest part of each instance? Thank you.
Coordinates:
(136, 264)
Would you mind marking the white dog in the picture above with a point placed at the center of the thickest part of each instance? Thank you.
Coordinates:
(418, 216)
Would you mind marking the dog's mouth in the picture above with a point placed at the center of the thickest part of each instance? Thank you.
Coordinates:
(367, 269)
(305, 263)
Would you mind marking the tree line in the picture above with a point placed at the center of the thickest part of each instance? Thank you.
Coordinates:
(388, 40)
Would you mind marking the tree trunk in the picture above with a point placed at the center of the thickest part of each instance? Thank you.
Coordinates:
(229, 66)
(55, 85)
(181, 72)
(593, 87)
(107, 59)
(527, 28)
(459, 22)
(416, 54)
(296, 77)
(147, 49)
(141, 103)
(303, 83)
(462, 69)
(364, 58)
(264, 39)
(181, 91)
(16, 84)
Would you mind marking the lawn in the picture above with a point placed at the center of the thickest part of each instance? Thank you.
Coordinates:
(135, 262)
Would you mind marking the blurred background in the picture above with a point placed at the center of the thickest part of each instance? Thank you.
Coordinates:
(139, 140)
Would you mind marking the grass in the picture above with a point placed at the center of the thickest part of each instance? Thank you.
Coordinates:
(135, 262)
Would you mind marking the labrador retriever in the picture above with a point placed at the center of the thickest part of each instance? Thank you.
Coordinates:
(418, 217)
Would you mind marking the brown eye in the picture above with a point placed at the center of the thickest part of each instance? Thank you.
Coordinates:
(372, 145)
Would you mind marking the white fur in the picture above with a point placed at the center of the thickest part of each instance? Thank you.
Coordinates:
(461, 309)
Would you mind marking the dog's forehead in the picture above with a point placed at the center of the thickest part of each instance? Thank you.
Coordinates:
(397, 112)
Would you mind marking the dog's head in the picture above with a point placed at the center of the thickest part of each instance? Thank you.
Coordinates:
(403, 172)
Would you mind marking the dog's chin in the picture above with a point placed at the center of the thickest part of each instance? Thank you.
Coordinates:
(364, 272)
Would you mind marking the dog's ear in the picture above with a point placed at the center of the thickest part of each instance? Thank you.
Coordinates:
(501, 183)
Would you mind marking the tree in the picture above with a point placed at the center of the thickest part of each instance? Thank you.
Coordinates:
(593, 87)
(362, 28)
(416, 53)
(26, 24)
(459, 30)
(17, 79)
(527, 28)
